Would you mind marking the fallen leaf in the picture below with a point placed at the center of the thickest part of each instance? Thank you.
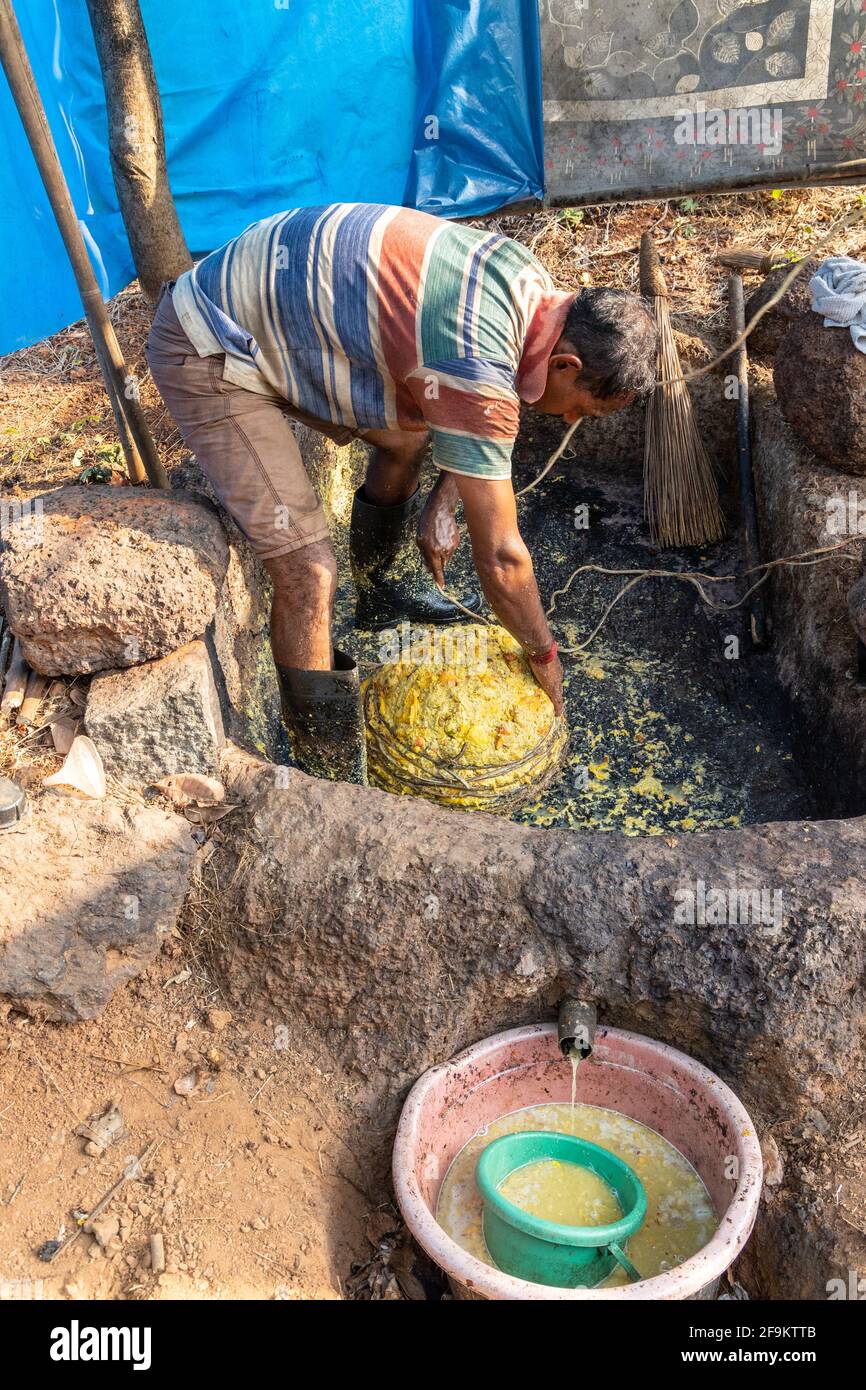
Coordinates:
(209, 815)
(180, 978)
(380, 1224)
(184, 788)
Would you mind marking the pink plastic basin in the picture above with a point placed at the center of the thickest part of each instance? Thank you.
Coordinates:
(645, 1080)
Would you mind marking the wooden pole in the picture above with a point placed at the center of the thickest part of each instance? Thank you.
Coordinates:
(142, 459)
(16, 682)
(136, 143)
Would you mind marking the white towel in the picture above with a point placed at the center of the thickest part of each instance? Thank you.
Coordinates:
(838, 290)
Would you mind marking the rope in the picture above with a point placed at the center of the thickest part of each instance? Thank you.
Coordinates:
(554, 458)
(398, 767)
(857, 214)
(695, 578)
(476, 617)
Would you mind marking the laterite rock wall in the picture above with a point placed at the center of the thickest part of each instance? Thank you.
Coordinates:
(802, 503)
(400, 932)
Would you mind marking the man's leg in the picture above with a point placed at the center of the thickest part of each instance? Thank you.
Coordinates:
(389, 574)
(319, 686)
(246, 447)
(394, 470)
(305, 582)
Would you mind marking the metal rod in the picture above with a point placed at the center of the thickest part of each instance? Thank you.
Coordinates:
(5, 650)
(752, 546)
(142, 459)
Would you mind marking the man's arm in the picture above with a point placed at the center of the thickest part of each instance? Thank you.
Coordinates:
(505, 569)
(438, 532)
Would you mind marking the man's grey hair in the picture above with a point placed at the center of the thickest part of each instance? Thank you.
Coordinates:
(614, 334)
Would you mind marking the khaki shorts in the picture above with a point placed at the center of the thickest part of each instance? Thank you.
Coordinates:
(243, 442)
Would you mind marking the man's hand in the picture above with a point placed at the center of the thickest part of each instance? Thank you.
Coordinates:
(438, 532)
(506, 574)
(549, 677)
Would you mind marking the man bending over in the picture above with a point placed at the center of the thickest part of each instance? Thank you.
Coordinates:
(398, 328)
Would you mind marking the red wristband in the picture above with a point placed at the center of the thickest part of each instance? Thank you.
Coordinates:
(544, 658)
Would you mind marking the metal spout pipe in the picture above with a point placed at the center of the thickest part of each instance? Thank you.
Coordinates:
(576, 1027)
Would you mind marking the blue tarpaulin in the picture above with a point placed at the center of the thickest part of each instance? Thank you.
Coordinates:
(459, 107)
(37, 290)
(479, 142)
(268, 106)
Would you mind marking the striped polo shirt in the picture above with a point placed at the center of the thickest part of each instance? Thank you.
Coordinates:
(373, 317)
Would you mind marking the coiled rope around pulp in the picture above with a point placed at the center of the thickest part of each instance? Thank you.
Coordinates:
(502, 788)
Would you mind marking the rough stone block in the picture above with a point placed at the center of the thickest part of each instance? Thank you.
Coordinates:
(110, 884)
(158, 718)
(106, 577)
(403, 931)
(768, 333)
(799, 500)
(821, 385)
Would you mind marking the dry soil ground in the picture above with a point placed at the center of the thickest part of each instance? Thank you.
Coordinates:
(253, 1191)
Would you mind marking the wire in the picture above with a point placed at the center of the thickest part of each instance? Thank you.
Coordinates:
(554, 458)
(476, 617)
(697, 579)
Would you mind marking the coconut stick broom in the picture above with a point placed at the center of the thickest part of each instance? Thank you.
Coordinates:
(681, 497)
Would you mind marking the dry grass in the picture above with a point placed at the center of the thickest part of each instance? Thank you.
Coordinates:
(207, 930)
(27, 754)
(55, 418)
(599, 245)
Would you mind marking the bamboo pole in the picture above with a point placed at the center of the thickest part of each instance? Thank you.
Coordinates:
(34, 694)
(16, 682)
(142, 459)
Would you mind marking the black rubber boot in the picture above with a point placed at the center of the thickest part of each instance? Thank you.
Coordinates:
(388, 571)
(323, 718)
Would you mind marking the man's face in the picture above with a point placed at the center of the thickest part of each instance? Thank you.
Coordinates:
(568, 395)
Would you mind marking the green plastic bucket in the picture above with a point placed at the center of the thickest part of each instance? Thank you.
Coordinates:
(547, 1252)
